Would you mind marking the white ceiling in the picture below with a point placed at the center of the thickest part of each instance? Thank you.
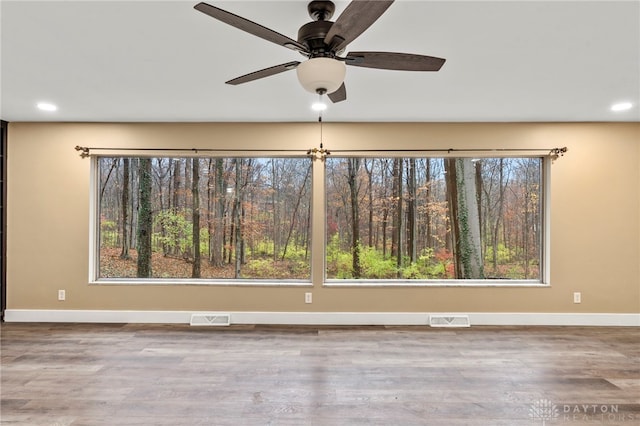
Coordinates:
(165, 61)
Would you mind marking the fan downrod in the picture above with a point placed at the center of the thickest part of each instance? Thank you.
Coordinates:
(321, 10)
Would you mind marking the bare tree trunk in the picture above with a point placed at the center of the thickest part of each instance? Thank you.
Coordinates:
(477, 167)
(527, 219)
(161, 174)
(307, 230)
(195, 191)
(237, 219)
(210, 201)
(385, 224)
(274, 203)
(219, 222)
(385, 209)
(176, 184)
(144, 220)
(124, 254)
(114, 164)
(496, 227)
(369, 171)
(428, 235)
(295, 212)
(353, 167)
(452, 203)
(465, 221)
(187, 183)
(412, 243)
(396, 241)
(176, 196)
(134, 202)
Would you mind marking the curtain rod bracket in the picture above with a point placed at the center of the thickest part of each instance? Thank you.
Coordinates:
(318, 153)
(84, 149)
(557, 152)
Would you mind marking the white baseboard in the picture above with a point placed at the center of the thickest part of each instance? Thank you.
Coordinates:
(322, 318)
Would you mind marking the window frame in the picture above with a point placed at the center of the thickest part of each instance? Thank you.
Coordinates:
(94, 231)
(544, 255)
(318, 244)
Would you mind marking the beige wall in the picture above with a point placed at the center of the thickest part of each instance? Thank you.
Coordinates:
(595, 217)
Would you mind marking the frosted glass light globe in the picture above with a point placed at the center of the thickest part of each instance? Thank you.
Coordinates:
(321, 74)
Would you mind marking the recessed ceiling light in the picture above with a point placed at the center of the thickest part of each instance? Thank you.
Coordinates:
(47, 106)
(621, 106)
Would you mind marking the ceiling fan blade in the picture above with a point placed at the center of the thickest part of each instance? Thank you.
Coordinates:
(264, 73)
(249, 26)
(354, 20)
(339, 95)
(394, 61)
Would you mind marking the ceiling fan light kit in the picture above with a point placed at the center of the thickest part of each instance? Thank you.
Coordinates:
(323, 43)
(321, 74)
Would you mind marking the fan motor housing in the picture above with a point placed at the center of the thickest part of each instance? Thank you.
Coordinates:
(312, 35)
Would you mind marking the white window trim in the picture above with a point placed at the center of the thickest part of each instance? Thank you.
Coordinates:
(318, 246)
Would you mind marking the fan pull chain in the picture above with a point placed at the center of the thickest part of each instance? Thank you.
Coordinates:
(320, 121)
(319, 153)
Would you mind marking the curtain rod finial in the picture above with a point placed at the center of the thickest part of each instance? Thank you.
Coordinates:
(557, 152)
(84, 149)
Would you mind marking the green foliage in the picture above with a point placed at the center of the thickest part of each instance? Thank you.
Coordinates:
(300, 269)
(108, 225)
(413, 271)
(426, 255)
(262, 268)
(338, 262)
(503, 254)
(263, 248)
(177, 230)
(515, 272)
(204, 240)
(108, 233)
(267, 268)
(375, 266)
(429, 265)
(295, 253)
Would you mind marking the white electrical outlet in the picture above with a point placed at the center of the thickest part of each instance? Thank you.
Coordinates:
(62, 295)
(308, 298)
(577, 297)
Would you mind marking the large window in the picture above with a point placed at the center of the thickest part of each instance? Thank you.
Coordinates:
(209, 218)
(434, 218)
(395, 220)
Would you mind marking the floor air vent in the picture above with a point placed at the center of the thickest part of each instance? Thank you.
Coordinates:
(449, 321)
(211, 319)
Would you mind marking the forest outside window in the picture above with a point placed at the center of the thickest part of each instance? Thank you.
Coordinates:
(387, 220)
(203, 218)
(436, 219)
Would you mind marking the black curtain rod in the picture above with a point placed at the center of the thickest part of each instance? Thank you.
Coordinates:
(550, 150)
(85, 151)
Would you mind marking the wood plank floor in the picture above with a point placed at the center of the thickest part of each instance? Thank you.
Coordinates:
(87, 374)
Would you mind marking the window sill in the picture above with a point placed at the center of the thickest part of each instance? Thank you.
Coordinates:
(199, 282)
(436, 283)
(329, 283)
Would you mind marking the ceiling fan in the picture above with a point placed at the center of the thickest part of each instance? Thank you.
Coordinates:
(323, 43)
